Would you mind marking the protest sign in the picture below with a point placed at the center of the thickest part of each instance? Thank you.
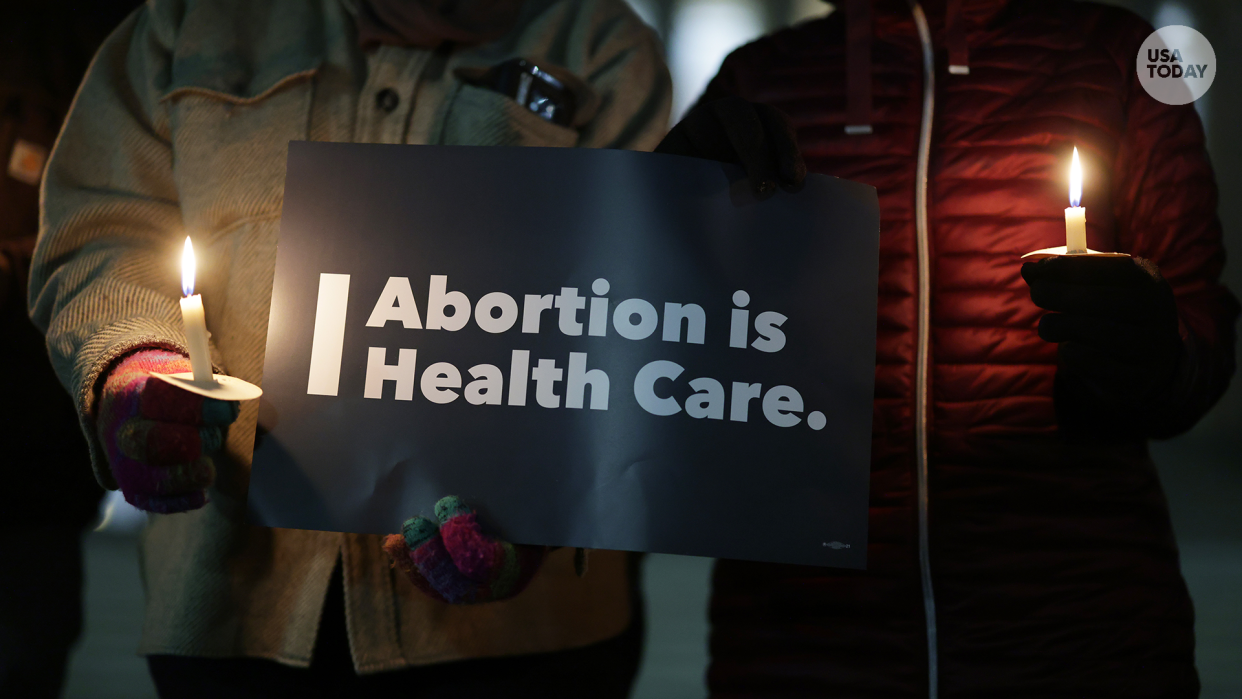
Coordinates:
(595, 348)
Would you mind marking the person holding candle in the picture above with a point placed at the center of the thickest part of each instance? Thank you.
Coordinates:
(1020, 543)
(181, 128)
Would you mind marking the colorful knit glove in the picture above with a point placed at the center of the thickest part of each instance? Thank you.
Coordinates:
(157, 436)
(456, 562)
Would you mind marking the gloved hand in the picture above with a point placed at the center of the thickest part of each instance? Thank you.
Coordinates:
(732, 130)
(1120, 345)
(158, 437)
(456, 562)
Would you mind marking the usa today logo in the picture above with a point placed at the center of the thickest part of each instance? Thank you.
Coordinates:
(1176, 64)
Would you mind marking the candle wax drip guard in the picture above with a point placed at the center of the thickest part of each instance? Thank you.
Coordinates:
(221, 387)
(1060, 251)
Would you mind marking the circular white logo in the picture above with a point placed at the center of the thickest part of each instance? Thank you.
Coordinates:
(1176, 64)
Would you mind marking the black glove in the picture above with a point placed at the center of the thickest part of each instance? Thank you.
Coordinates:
(1120, 350)
(732, 130)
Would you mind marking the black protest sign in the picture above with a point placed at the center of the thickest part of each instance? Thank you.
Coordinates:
(603, 349)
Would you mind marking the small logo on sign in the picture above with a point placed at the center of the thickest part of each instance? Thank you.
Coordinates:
(26, 162)
(835, 545)
(1176, 64)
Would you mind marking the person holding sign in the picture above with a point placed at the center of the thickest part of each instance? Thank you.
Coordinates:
(1020, 544)
(181, 128)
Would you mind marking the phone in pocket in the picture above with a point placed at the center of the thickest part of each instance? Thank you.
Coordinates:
(532, 88)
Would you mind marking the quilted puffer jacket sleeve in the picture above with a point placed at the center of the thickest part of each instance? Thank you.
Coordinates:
(1165, 201)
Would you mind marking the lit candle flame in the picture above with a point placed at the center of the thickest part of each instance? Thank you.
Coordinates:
(1075, 188)
(187, 268)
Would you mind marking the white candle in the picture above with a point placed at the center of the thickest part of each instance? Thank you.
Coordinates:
(194, 319)
(1075, 215)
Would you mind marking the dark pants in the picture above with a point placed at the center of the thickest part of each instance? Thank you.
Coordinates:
(40, 607)
(604, 670)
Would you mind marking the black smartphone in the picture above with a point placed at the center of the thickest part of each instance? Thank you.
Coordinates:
(534, 89)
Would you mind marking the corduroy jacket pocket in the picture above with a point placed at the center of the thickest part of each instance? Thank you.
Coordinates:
(231, 148)
(478, 116)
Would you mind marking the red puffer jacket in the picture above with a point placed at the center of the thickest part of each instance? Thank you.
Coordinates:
(1037, 567)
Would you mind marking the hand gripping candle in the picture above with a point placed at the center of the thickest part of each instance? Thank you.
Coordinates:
(195, 320)
(1075, 215)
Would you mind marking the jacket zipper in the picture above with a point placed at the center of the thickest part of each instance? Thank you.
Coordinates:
(924, 338)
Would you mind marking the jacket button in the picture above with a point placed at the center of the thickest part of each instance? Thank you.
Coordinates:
(387, 99)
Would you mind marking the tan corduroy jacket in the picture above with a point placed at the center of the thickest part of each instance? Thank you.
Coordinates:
(182, 126)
